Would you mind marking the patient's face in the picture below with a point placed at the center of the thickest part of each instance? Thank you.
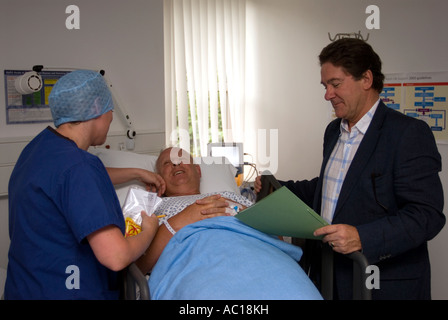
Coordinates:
(181, 176)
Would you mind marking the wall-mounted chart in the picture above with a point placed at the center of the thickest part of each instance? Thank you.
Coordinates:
(422, 96)
(29, 107)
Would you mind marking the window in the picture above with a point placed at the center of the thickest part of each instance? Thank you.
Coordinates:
(204, 68)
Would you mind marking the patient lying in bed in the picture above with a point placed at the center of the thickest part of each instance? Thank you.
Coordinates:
(202, 252)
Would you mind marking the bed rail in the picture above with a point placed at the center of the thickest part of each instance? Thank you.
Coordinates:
(135, 284)
(360, 264)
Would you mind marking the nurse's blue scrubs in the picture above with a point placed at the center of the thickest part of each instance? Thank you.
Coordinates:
(58, 195)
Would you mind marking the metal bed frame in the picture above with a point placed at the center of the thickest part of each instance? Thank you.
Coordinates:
(135, 284)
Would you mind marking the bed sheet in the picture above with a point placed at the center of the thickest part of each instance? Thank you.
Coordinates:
(223, 259)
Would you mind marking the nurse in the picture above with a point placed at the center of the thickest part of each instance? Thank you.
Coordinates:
(65, 222)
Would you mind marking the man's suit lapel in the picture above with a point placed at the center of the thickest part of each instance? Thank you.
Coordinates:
(364, 153)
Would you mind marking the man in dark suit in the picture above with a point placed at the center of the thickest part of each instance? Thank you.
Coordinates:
(379, 184)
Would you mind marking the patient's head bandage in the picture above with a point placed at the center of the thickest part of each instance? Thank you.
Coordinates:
(80, 95)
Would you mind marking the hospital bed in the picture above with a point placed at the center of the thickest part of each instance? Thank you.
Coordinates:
(216, 177)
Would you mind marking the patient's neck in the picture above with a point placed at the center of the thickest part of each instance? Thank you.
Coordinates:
(179, 193)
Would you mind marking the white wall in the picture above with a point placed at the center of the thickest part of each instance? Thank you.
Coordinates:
(283, 76)
(125, 38)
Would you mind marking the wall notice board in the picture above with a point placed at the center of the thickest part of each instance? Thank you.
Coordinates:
(29, 108)
(422, 95)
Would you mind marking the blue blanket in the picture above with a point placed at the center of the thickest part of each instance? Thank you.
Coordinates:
(222, 258)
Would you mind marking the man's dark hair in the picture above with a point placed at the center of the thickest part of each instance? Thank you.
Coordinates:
(355, 56)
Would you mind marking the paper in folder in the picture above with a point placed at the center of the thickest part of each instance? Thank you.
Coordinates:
(282, 213)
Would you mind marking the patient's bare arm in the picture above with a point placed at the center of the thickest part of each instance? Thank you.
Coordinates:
(209, 207)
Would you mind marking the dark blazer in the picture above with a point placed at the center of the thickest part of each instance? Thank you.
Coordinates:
(393, 195)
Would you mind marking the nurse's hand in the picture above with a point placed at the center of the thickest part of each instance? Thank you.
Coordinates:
(150, 223)
(116, 252)
(153, 182)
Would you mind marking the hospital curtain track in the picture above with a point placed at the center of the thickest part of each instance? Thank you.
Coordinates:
(204, 72)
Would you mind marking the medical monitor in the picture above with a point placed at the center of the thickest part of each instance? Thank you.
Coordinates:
(232, 151)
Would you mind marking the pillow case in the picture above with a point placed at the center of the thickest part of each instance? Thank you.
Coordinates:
(217, 175)
(125, 159)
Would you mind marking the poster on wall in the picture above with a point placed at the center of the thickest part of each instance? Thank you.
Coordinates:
(422, 96)
(33, 107)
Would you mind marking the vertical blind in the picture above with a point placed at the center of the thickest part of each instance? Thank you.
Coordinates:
(205, 72)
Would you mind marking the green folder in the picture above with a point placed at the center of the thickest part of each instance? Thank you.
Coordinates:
(282, 213)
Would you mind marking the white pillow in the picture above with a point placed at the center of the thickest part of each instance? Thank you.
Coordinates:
(125, 159)
(217, 176)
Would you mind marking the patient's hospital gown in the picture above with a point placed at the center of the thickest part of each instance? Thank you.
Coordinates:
(171, 206)
(221, 258)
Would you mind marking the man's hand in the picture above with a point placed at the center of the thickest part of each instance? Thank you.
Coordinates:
(257, 184)
(342, 238)
(209, 207)
(214, 206)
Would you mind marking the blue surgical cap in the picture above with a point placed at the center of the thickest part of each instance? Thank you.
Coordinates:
(80, 95)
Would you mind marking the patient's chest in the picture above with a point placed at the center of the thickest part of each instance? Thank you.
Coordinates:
(171, 206)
